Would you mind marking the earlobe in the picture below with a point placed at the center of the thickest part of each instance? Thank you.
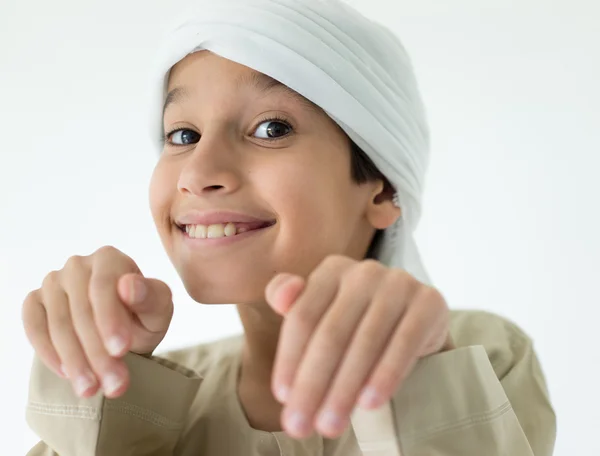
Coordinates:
(382, 211)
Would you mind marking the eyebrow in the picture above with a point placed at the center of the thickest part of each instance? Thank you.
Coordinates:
(259, 81)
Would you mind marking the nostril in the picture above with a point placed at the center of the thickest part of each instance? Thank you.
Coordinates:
(214, 187)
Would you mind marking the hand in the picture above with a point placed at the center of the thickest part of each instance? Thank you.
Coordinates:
(88, 315)
(352, 333)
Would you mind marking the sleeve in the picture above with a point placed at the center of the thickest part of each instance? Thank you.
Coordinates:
(145, 421)
(477, 400)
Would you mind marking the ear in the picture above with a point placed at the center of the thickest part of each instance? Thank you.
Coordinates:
(381, 210)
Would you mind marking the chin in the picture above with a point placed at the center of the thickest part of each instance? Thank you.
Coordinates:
(225, 290)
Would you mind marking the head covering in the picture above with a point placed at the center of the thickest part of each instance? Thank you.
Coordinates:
(356, 70)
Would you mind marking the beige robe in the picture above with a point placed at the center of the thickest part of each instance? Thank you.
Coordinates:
(488, 397)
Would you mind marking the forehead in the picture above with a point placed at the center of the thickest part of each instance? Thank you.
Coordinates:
(244, 78)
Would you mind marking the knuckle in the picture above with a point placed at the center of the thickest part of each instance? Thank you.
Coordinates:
(431, 297)
(102, 324)
(303, 318)
(340, 400)
(351, 287)
(105, 250)
(366, 270)
(101, 362)
(98, 283)
(370, 266)
(32, 298)
(397, 276)
(393, 284)
(304, 390)
(76, 262)
(368, 341)
(82, 321)
(334, 261)
(386, 378)
(330, 338)
(59, 320)
(51, 280)
(111, 326)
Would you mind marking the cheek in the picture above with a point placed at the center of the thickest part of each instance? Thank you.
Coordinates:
(160, 193)
(312, 206)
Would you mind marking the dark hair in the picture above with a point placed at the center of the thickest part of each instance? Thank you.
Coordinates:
(364, 170)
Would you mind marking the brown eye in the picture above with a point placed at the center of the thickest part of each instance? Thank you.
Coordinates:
(272, 129)
(183, 137)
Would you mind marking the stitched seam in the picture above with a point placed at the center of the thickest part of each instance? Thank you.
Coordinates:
(174, 366)
(143, 414)
(278, 444)
(73, 411)
(461, 424)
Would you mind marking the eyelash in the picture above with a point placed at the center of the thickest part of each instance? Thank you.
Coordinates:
(166, 137)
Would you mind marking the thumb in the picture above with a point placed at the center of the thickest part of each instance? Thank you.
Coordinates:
(150, 300)
(283, 290)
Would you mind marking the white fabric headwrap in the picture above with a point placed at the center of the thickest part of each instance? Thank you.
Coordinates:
(357, 71)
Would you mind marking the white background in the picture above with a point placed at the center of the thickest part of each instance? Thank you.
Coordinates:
(511, 217)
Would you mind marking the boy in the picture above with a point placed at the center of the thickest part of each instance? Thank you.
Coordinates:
(292, 162)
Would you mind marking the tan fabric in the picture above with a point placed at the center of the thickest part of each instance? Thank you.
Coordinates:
(375, 431)
(487, 397)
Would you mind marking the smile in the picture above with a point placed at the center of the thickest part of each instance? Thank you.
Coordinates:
(221, 230)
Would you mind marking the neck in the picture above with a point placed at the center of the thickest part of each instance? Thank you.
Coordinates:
(261, 335)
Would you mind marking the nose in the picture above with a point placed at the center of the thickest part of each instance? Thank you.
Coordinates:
(212, 168)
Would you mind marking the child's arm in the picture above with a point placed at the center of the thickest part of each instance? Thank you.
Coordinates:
(477, 388)
(145, 421)
(478, 400)
(81, 323)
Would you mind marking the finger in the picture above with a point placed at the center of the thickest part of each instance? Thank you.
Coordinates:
(283, 290)
(413, 333)
(325, 352)
(65, 340)
(110, 314)
(439, 339)
(111, 371)
(150, 300)
(368, 345)
(299, 324)
(35, 323)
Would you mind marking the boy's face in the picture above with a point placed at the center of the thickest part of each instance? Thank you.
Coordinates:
(293, 172)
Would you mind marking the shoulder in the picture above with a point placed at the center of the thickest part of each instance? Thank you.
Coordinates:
(203, 357)
(505, 342)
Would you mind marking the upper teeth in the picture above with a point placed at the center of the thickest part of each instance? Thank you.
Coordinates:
(213, 231)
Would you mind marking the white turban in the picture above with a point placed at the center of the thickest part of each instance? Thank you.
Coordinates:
(356, 70)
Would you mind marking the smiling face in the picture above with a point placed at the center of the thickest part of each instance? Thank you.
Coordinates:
(247, 149)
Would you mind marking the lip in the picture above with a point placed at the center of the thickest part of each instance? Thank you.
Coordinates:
(195, 217)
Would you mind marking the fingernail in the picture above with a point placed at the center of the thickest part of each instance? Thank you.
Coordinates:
(115, 345)
(63, 371)
(137, 292)
(84, 382)
(111, 383)
(369, 398)
(282, 393)
(297, 423)
(329, 422)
